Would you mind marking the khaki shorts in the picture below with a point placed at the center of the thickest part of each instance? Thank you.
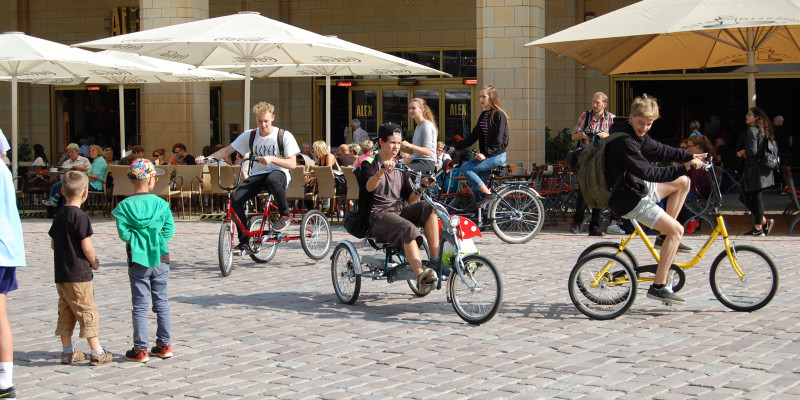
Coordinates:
(76, 304)
(647, 211)
(400, 224)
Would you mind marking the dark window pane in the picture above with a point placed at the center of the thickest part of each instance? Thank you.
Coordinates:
(457, 113)
(460, 63)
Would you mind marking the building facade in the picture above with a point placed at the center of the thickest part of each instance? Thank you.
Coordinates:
(479, 40)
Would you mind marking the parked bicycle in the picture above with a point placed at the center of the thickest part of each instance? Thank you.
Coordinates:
(474, 286)
(516, 216)
(314, 234)
(603, 283)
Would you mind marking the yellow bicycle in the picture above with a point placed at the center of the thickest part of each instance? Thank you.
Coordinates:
(603, 283)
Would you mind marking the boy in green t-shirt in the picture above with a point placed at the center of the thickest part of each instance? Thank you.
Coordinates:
(145, 224)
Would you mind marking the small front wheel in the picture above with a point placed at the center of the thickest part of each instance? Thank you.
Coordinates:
(602, 286)
(346, 282)
(315, 234)
(225, 247)
(754, 289)
(517, 215)
(478, 293)
(613, 248)
(267, 249)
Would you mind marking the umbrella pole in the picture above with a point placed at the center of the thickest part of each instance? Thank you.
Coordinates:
(246, 96)
(121, 121)
(751, 70)
(328, 110)
(14, 124)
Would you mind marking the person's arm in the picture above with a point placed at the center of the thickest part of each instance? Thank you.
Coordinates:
(577, 133)
(88, 251)
(751, 143)
(471, 138)
(219, 154)
(377, 173)
(168, 230)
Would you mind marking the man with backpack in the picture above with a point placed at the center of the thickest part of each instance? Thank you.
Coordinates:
(275, 150)
(592, 124)
(639, 185)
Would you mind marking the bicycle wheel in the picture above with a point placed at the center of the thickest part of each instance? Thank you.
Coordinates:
(602, 296)
(346, 283)
(412, 283)
(315, 234)
(477, 297)
(265, 250)
(755, 290)
(613, 248)
(225, 247)
(517, 216)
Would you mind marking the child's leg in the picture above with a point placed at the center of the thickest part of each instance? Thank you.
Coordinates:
(6, 346)
(159, 281)
(140, 300)
(66, 316)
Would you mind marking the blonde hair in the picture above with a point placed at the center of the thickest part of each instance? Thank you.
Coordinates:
(366, 146)
(321, 148)
(74, 183)
(602, 96)
(427, 113)
(440, 145)
(645, 106)
(355, 148)
(99, 149)
(263, 108)
(494, 101)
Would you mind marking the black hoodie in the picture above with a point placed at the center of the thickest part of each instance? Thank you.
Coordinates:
(632, 155)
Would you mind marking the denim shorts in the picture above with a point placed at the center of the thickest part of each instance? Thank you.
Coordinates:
(647, 212)
(8, 279)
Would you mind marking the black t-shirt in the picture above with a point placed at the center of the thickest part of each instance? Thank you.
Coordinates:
(70, 227)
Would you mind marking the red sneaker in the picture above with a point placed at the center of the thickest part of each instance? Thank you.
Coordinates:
(164, 351)
(138, 355)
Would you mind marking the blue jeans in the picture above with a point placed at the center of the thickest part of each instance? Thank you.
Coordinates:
(149, 283)
(477, 172)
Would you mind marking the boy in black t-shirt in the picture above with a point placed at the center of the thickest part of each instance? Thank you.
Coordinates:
(74, 259)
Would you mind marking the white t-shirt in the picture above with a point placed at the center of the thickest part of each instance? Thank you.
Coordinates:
(267, 146)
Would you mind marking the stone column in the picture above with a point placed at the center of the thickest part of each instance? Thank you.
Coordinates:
(503, 28)
(173, 112)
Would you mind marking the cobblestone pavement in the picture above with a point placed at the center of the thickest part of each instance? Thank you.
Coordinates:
(278, 330)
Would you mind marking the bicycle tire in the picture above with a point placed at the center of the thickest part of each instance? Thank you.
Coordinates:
(346, 282)
(266, 250)
(225, 247)
(613, 293)
(517, 215)
(477, 304)
(315, 234)
(756, 290)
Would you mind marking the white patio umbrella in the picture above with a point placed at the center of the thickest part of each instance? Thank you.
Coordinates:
(654, 35)
(30, 57)
(153, 70)
(245, 40)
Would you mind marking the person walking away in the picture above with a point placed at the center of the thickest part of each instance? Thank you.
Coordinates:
(785, 140)
(423, 144)
(491, 133)
(145, 224)
(592, 124)
(12, 256)
(642, 185)
(757, 177)
(74, 259)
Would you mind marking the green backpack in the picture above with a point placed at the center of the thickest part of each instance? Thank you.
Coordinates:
(592, 172)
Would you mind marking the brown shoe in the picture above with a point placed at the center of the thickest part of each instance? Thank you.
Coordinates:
(106, 357)
(72, 358)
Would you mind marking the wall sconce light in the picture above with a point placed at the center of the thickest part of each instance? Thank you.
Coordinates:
(588, 15)
(406, 82)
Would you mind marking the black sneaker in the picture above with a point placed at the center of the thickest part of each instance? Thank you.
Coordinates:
(485, 200)
(595, 231)
(682, 248)
(241, 249)
(8, 393)
(768, 226)
(281, 224)
(755, 232)
(664, 294)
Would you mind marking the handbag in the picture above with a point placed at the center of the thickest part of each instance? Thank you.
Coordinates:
(769, 159)
(340, 182)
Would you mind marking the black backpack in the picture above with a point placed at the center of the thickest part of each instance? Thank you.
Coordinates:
(356, 222)
(770, 160)
(253, 133)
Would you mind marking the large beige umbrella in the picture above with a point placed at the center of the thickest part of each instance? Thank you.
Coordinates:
(245, 40)
(150, 70)
(657, 35)
(28, 57)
